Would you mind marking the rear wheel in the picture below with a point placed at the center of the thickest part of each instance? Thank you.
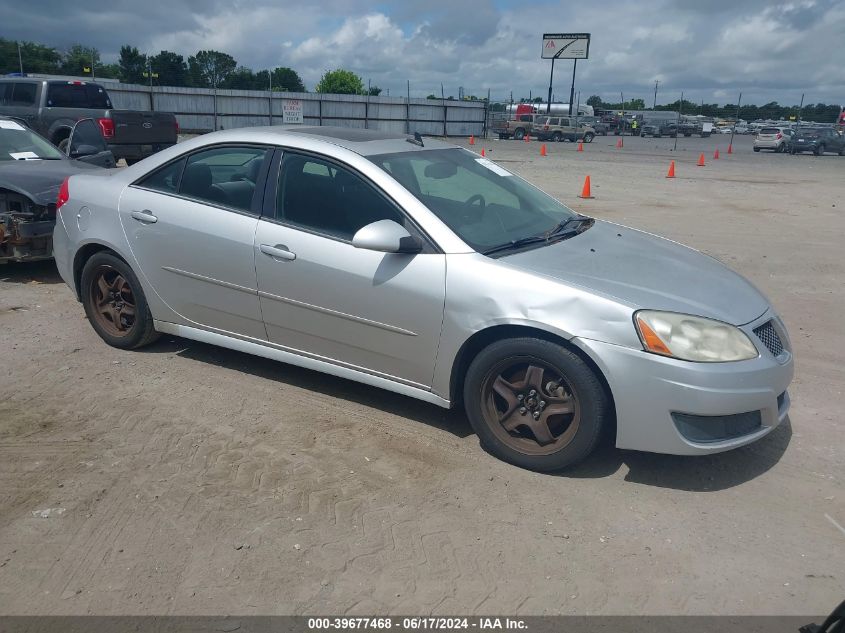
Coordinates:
(115, 304)
(519, 134)
(535, 404)
(819, 150)
(588, 137)
(557, 137)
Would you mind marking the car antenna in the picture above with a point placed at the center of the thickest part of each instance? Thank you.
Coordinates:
(417, 140)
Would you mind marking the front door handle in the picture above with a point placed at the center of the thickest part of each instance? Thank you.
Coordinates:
(146, 216)
(279, 251)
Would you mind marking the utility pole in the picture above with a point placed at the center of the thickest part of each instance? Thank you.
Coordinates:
(678, 124)
(20, 59)
(92, 64)
(572, 86)
(656, 82)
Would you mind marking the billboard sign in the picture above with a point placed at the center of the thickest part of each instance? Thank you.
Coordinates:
(566, 46)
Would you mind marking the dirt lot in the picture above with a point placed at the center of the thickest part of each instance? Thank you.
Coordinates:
(186, 479)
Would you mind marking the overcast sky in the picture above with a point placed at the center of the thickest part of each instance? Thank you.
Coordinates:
(710, 49)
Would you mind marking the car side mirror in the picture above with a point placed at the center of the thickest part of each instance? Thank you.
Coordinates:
(83, 150)
(386, 236)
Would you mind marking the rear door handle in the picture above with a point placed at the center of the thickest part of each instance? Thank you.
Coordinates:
(279, 251)
(145, 216)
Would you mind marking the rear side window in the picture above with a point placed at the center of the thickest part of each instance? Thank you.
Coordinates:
(23, 94)
(769, 130)
(77, 95)
(554, 121)
(165, 179)
(224, 176)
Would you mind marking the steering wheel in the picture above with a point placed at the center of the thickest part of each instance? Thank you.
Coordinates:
(476, 198)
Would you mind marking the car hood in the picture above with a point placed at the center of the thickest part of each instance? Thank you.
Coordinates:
(646, 272)
(40, 180)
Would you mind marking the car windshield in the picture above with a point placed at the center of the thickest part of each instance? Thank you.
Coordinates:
(19, 143)
(484, 204)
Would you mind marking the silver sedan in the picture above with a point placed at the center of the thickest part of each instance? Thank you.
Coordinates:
(422, 268)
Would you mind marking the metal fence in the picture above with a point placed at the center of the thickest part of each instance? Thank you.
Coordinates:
(203, 110)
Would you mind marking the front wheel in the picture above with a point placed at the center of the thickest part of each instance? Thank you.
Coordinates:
(535, 404)
(819, 150)
(756, 149)
(557, 137)
(115, 303)
(588, 137)
(519, 134)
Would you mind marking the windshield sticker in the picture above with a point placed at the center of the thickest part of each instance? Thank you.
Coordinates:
(24, 155)
(10, 125)
(489, 164)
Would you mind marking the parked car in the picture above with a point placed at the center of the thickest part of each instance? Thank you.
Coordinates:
(695, 126)
(601, 128)
(517, 128)
(556, 128)
(773, 138)
(422, 268)
(51, 107)
(817, 140)
(31, 172)
(660, 128)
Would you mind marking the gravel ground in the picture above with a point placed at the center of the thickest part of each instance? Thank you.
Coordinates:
(187, 479)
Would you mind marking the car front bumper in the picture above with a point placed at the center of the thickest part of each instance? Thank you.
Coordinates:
(656, 397)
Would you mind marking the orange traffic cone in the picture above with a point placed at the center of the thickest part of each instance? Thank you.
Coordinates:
(543, 149)
(581, 146)
(482, 151)
(671, 173)
(730, 148)
(471, 139)
(700, 161)
(527, 138)
(585, 192)
(716, 154)
(619, 143)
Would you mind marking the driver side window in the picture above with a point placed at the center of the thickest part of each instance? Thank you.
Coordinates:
(324, 197)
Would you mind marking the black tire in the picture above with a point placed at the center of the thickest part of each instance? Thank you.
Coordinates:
(756, 149)
(137, 334)
(588, 137)
(519, 134)
(572, 383)
(557, 137)
(842, 151)
(687, 135)
(819, 150)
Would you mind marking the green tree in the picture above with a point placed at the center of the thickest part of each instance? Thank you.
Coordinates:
(36, 58)
(77, 59)
(209, 69)
(112, 71)
(242, 78)
(595, 101)
(287, 79)
(133, 65)
(340, 82)
(374, 91)
(171, 69)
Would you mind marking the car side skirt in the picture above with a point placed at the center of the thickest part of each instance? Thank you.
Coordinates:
(269, 350)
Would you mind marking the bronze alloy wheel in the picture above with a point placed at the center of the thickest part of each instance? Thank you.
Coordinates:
(530, 406)
(112, 301)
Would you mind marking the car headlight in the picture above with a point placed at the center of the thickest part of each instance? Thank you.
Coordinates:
(693, 338)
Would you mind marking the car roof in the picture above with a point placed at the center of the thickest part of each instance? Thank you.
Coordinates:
(358, 140)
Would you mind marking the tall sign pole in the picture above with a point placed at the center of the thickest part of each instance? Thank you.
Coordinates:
(733, 129)
(572, 46)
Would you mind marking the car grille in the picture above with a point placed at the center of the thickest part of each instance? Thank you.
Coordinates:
(770, 338)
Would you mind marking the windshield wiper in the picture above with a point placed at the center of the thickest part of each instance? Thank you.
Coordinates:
(574, 225)
(564, 229)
